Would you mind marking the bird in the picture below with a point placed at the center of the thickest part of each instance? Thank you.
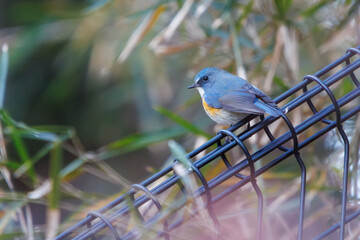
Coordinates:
(227, 98)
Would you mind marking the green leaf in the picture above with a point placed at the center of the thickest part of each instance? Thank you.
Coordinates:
(22, 151)
(179, 153)
(18, 131)
(8, 120)
(37, 135)
(72, 167)
(283, 6)
(39, 155)
(246, 11)
(309, 12)
(11, 209)
(280, 82)
(45, 133)
(96, 5)
(137, 141)
(12, 165)
(182, 122)
(11, 236)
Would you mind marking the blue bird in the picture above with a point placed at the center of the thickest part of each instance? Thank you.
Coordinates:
(227, 98)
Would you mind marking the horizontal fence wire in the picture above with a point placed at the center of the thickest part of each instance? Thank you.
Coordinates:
(300, 95)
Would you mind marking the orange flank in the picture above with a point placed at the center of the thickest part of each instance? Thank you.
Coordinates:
(209, 110)
(222, 116)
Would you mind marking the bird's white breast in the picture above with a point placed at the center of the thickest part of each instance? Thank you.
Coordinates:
(201, 91)
(226, 118)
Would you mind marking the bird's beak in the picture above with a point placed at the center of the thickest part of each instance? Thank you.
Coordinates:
(193, 86)
(196, 84)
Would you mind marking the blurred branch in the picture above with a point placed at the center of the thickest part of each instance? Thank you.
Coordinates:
(202, 7)
(240, 70)
(279, 42)
(166, 34)
(139, 33)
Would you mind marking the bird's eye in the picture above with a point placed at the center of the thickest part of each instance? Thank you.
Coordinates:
(205, 78)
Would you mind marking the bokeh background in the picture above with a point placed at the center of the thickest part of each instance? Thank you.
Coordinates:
(102, 85)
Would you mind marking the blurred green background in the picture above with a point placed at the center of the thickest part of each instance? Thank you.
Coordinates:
(116, 72)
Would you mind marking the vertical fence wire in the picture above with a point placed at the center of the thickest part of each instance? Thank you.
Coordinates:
(252, 180)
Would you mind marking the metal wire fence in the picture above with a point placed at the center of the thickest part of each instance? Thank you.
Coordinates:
(112, 218)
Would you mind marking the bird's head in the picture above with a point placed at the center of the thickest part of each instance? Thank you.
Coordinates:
(206, 79)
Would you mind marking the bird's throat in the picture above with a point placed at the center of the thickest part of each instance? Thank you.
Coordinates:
(201, 91)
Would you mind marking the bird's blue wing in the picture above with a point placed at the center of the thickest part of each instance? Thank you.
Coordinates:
(241, 101)
(261, 95)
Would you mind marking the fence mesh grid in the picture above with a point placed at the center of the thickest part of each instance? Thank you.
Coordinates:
(138, 200)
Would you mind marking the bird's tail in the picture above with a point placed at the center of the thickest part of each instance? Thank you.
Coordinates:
(265, 102)
(272, 109)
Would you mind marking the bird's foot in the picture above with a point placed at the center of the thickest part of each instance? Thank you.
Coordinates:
(227, 139)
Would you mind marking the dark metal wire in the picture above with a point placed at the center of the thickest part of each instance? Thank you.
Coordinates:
(150, 195)
(207, 190)
(270, 136)
(352, 75)
(337, 225)
(106, 221)
(252, 179)
(352, 62)
(346, 150)
(302, 168)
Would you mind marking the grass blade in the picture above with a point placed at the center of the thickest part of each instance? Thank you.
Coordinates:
(180, 154)
(184, 171)
(55, 166)
(240, 70)
(139, 33)
(137, 141)
(182, 122)
(53, 212)
(310, 12)
(22, 151)
(4, 62)
(96, 6)
(11, 211)
(4, 65)
(39, 155)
